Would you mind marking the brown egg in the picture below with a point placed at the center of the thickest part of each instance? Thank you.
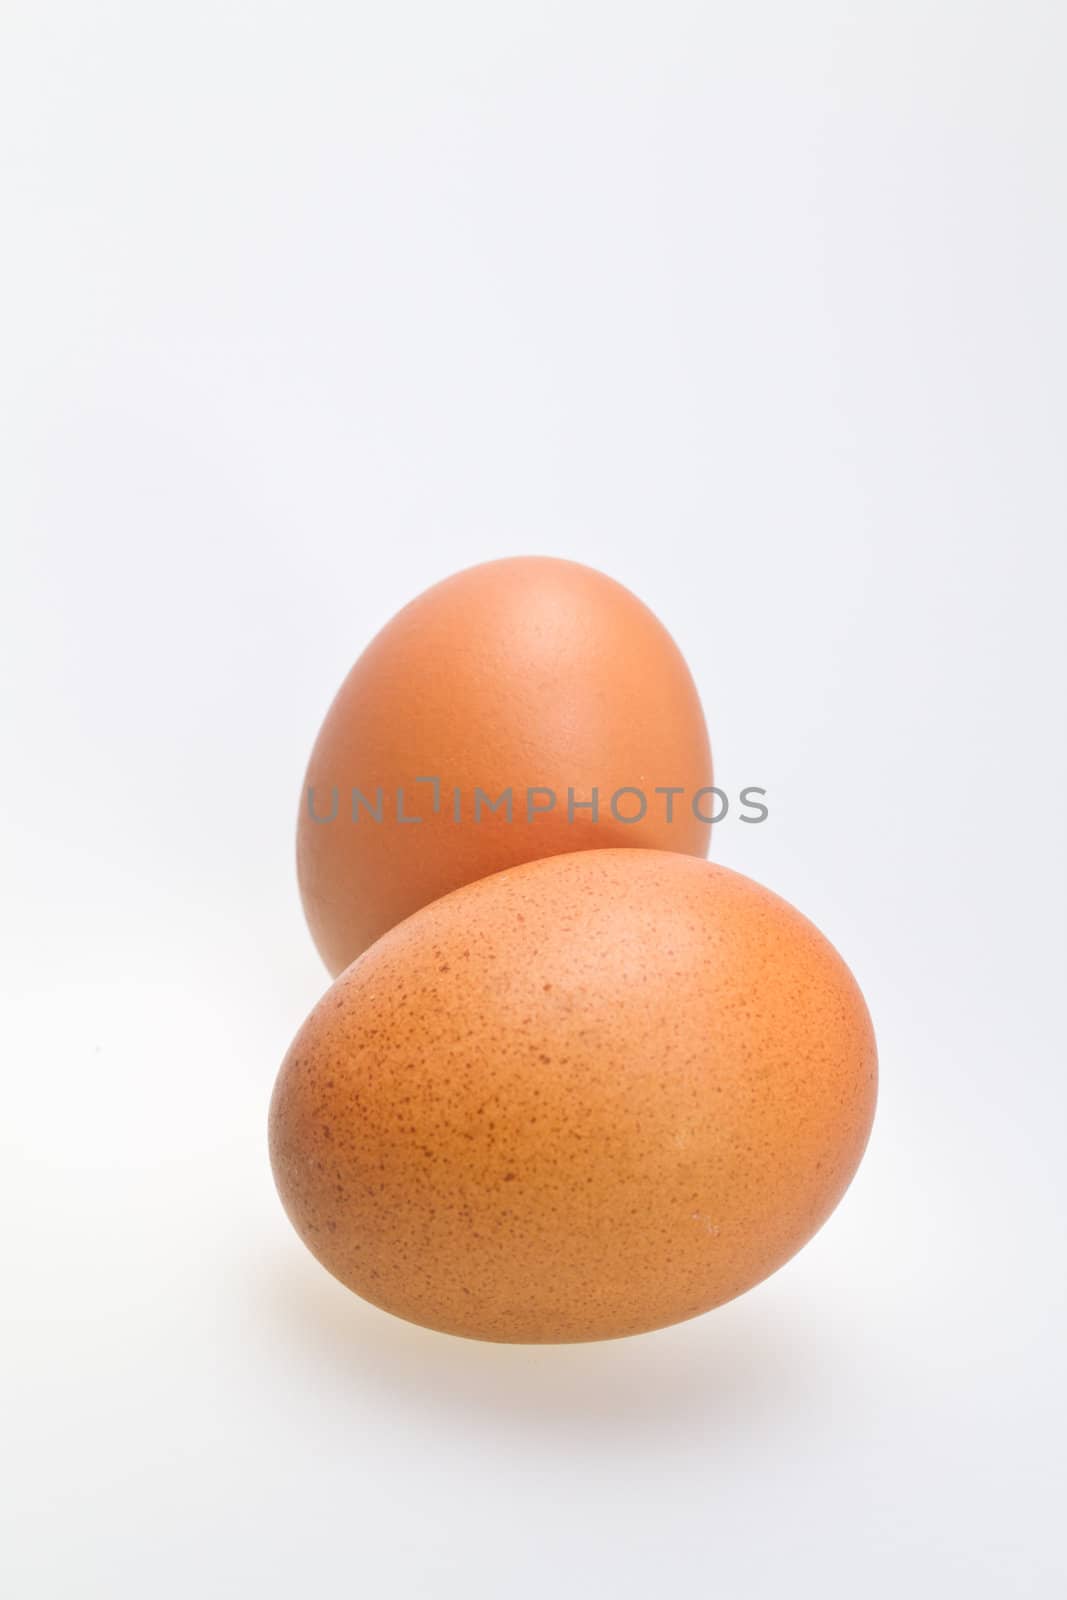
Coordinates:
(531, 676)
(586, 1097)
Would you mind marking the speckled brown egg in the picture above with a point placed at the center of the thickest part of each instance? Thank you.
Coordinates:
(586, 1097)
(480, 729)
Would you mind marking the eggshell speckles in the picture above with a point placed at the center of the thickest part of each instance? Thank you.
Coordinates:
(527, 673)
(586, 1097)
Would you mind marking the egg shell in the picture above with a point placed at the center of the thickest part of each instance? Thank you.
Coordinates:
(521, 674)
(583, 1098)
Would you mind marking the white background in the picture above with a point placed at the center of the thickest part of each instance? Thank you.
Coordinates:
(759, 307)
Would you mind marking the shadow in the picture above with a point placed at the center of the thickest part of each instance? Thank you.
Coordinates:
(734, 1366)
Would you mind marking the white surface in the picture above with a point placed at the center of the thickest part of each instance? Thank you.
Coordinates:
(758, 307)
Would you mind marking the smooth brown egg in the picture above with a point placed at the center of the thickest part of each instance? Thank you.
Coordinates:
(532, 678)
(586, 1097)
